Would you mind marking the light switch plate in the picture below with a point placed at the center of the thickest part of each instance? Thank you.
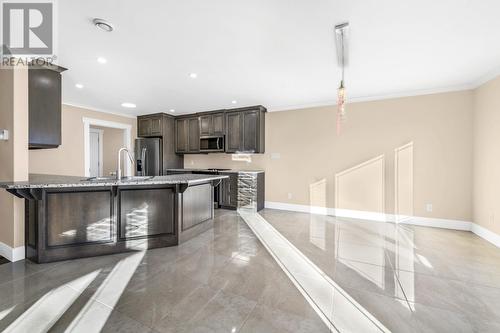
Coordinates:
(4, 135)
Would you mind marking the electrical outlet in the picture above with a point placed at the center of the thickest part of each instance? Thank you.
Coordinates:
(428, 207)
(290, 195)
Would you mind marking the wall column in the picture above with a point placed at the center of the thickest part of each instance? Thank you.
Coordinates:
(14, 158)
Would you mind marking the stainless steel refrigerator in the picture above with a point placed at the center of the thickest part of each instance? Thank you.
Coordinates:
(148, 157)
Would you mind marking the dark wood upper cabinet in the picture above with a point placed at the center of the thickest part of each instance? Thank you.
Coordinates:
(162, 125)
(188, 135)
(245, 130)
(218, 124)
(194, 135)
(212, 124)
(233, 132)
(181, 130)
(250, 131)
(143, 126)
(156, 123)
(44, 92)
(149, 126)
(205, 125)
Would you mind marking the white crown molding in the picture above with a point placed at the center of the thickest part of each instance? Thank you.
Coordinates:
(360, 99)
(356, 99)
(91, 108)
(485, 78)
(12, 254)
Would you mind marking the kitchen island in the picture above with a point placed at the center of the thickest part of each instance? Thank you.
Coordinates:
(71, 217)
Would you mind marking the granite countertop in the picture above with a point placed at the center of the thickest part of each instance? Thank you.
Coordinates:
(52, 181)
(220, 170)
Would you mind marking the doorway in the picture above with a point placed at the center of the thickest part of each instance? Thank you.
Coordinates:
(96, 151)
(122, 139)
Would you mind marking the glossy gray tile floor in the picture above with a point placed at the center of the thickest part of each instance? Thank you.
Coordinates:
(221, 281)
(412, 279)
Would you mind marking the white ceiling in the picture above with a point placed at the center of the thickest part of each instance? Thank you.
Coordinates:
(278, 53)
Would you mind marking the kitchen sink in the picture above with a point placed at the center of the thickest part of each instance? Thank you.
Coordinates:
(124, 179)
(99, 179)
(135, 178)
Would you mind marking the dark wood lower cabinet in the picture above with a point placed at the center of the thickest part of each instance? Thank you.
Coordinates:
(91, 222)
(228, 194)
(68, 223)
(146, 212)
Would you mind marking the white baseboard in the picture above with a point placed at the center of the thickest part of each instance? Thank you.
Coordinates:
(381, 217)
(358, 214)
(292, 207)
(12, 254)
(484, 233)
(438, 223)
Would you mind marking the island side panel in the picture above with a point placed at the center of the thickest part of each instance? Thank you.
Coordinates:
(197, 211)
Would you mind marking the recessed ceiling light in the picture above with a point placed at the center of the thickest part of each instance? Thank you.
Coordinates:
(79, 85)
(234, 102)
(102, 60)
(193, 75)
(172, 110)
(103, 24)
(129, 105)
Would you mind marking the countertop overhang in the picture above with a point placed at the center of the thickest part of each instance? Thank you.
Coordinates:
(37, 181)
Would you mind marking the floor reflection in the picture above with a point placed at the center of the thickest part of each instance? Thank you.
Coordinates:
(37, 318)
(224, 279)
(136, 222)
(410, 278)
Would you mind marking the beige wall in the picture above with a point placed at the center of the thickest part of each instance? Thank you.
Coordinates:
(68, 159)
(112, 142)
(362, 187)
(440, 126)
(14, 152)
(487, 155)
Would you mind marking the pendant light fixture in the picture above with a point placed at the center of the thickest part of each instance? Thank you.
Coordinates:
(341, 44)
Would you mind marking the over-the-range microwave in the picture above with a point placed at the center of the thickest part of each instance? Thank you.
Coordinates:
(211, 143)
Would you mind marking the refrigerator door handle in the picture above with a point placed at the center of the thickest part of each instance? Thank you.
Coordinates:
(143, 159)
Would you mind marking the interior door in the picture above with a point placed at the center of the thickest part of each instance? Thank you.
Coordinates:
(94, 154)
